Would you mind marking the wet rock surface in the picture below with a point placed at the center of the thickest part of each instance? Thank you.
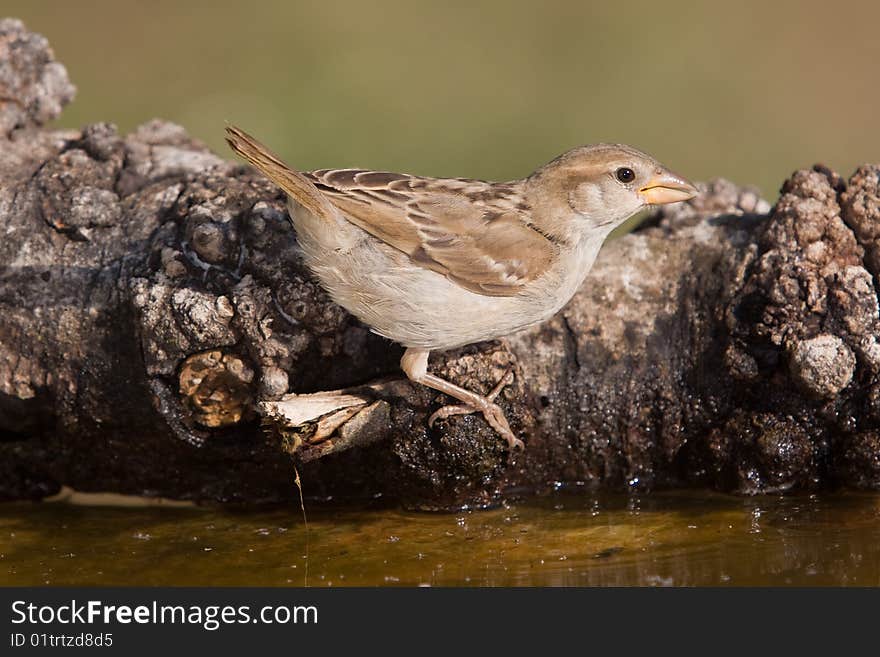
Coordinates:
(153, 299)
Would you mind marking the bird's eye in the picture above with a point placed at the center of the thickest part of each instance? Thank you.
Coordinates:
(625, 175)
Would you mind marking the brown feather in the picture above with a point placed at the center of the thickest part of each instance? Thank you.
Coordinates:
(473, 232)
(293, 182)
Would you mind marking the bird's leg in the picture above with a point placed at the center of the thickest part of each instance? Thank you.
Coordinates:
(415, 365)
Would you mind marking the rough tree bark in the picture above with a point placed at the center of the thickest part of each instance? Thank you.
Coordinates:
(155, 318)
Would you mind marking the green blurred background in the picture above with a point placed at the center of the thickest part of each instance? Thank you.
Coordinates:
(746, 90)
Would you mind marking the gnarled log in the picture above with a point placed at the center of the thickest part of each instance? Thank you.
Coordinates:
(160, 335)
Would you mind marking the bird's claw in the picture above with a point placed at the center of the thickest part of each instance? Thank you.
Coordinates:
(447, 411)
(491, 411)
(496, 419)
(505, 381)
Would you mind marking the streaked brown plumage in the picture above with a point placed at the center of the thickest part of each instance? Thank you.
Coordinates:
(470, 231)
(438, 263)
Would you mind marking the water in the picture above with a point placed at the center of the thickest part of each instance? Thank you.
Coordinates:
(690, 538)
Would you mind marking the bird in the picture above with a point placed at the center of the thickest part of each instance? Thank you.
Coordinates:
(439, 263)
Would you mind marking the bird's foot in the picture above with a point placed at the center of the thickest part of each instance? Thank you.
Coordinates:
(466, 409)
(490, 410)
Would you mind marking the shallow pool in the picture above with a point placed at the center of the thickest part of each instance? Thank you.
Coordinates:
(683, 538)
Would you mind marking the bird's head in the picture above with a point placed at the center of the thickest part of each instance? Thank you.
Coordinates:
(601, 186)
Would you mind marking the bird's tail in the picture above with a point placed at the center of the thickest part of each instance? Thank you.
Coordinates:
(293, 182)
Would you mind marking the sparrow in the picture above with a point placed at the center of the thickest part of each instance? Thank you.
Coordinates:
(439, 263)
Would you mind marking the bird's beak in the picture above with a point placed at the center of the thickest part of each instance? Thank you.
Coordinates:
(667, 187)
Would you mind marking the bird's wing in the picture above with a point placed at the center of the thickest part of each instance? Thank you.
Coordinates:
(475, 233)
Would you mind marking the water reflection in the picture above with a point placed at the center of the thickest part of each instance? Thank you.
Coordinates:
(662, 540)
